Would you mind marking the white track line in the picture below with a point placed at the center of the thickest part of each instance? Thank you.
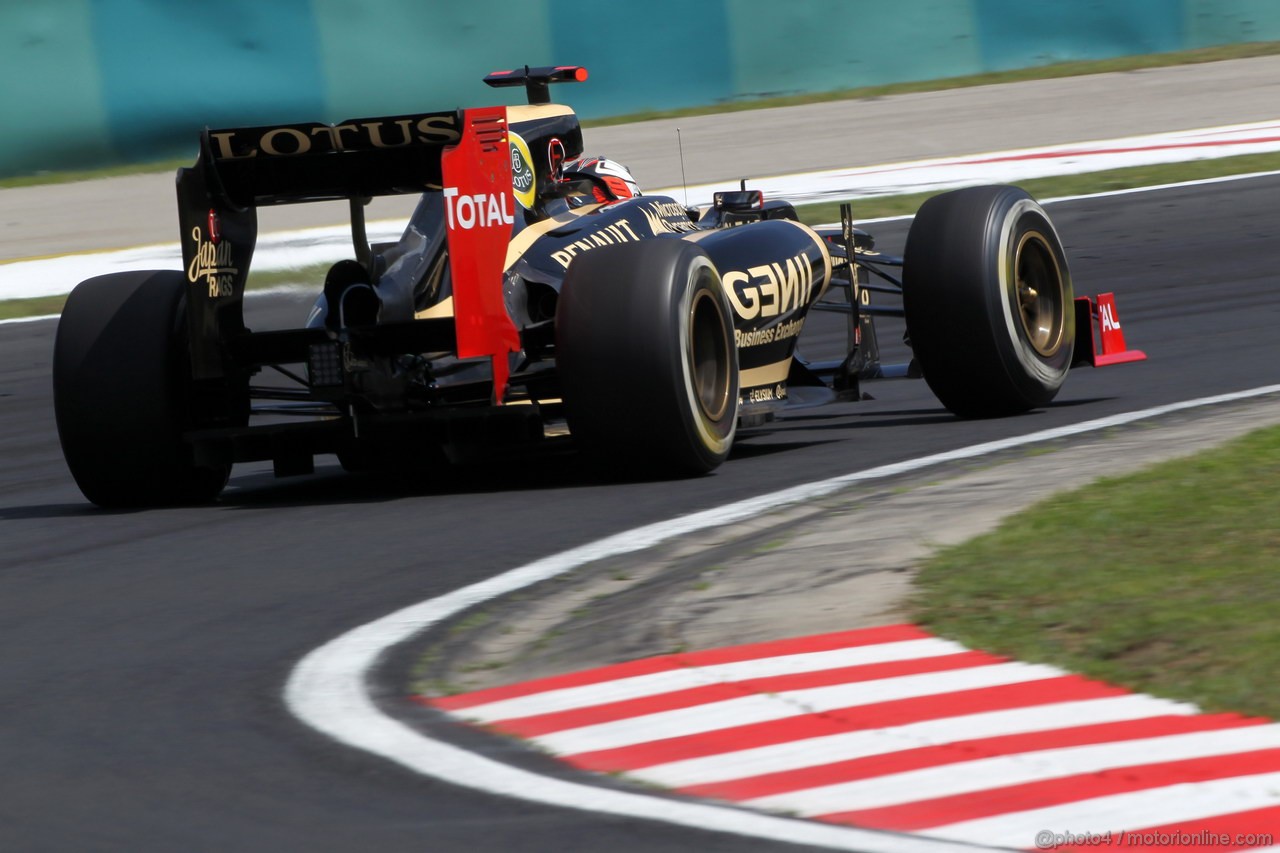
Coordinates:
(23, 278)
(249, 294)
(1012, 166)
(92, 264)
(12, 320)
(288, 261)
(329, 688)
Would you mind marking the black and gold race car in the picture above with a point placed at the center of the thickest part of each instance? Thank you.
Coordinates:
(533, 289)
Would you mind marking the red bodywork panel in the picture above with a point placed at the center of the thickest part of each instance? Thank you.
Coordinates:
(1112, 337)
(479, 215)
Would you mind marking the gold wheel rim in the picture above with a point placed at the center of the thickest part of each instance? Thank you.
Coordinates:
(1040, 294)
(709, 358)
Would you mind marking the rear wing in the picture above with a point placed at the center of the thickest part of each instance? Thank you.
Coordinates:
(357, 158)
(255, 166)
(241, 169)
(465, 155)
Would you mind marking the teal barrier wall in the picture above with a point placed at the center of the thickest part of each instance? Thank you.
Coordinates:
(92, 82)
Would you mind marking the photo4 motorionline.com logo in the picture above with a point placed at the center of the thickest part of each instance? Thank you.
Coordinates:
(1047, 839)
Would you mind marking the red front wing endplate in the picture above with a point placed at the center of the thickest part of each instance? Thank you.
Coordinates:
(1103, 313)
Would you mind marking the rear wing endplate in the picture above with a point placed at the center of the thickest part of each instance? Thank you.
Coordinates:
(479, 218)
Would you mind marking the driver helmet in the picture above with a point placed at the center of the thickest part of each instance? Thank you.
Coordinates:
(610, 180)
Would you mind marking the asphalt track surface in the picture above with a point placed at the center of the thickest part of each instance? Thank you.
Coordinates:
(144, 652)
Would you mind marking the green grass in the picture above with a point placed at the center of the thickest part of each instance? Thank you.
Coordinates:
(39, 306)
(1165, 581)
(1065, 185)
(42, 306)
(312, 274)
(70, 176)
(1039, 72)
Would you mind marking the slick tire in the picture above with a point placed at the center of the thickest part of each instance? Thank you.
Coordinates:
(123, 396)
(988, 301)
(647, 360)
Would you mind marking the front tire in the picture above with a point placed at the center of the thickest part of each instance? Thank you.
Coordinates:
(123, 394)
(988, 301)
(647, 360)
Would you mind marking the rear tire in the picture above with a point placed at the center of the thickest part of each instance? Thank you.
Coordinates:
(647, 360)
(123, 396)
(988, 301)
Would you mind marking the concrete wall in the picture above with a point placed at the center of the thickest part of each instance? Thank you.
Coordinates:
(90, 82)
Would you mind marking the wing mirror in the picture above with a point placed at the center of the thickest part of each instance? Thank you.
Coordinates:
(739, 201)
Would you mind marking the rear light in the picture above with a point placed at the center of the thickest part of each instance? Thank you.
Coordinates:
(324, 365)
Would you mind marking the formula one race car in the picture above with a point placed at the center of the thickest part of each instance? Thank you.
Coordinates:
(533, 289)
